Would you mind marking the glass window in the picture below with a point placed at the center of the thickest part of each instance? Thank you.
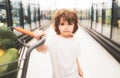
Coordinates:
(27, 18)
(2, 1)
(3, 17)
(116, 21)
(89, 17)
(106, 18)
(94, 16)
(37, 16)
(32, 11)
(3, 14)
(15, 12)
(99, 18)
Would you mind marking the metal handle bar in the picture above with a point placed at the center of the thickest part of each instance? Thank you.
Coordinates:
(26, 62)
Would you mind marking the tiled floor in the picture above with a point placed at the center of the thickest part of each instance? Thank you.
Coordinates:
(95, 61)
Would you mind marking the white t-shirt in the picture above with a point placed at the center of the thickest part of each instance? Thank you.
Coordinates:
(63, 53)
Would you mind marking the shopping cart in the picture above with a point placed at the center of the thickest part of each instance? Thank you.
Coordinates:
(24, 55)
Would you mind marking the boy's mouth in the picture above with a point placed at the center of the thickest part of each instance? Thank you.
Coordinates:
(66, 31)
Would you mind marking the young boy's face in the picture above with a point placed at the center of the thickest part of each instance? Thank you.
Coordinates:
(66, 28)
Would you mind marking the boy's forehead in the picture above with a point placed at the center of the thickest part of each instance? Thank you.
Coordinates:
(63, 19)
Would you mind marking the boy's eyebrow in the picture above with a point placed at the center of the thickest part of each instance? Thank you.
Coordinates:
(61, 22)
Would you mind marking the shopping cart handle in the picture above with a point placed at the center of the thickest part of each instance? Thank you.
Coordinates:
(40, 42)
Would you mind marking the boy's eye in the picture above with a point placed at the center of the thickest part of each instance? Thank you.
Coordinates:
(70, 23)
(62, 24)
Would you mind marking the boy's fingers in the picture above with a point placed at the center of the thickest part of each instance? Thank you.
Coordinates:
(38, 34)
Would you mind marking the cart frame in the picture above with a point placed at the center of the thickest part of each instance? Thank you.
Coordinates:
(23, 67)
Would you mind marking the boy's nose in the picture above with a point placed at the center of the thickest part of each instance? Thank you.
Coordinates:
(66, 26)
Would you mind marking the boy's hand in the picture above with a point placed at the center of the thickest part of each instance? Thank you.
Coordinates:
(38, 34)
(81, 74)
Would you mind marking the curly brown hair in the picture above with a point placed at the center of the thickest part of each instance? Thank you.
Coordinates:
(68, 15)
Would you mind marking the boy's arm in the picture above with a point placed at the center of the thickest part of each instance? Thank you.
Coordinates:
(80, 72)
(38, 34)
